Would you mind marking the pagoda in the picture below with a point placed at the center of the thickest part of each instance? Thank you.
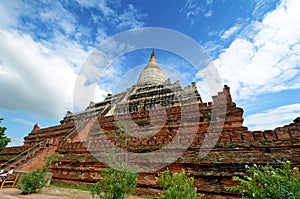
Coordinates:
(156, 124)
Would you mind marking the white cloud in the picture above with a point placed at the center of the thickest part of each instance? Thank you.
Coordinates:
(208, 2)
(9, 13)
(35, 78)
(193, 8)
(57, 15)
(212, 48)
(272, 118)
(22, 121)
(15, 142)
(130, 18)
(261, 6)
(231, 31)
(42, 49)
(84, 94)
(210, 83)
(208, 13)
(87, 3)
(72, 52)
(204, 91)
(126, 17)
(268, 58)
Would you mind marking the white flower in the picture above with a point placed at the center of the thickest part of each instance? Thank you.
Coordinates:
(295, 169)
(288, 162)
(273, 173)
(246, 167)
(255, 165)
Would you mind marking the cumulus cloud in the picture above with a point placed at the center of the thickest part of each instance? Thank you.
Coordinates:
(71, 51)
(261, 6)
(36, 79)
(42, 49)
(265, 57)
(33, 78)
(9, 13)
(84, 94)
(271, 118)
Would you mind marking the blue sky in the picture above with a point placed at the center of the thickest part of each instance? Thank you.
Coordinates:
(254, 44)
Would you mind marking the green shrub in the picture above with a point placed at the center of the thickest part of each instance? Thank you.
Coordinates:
(33, 181)
(49, 160)
(268, 182)
(116, 183)
(177, 186)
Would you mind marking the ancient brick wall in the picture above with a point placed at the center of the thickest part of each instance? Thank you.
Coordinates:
(235, 148)
(203, 123)
(10, 152)
(53, 134)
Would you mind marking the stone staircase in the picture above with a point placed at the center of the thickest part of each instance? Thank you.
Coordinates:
(21, 159)
(38, 160)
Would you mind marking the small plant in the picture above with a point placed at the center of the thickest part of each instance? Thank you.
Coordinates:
(268, 182)
(177, 186)
(50, 160)
(118, 182)
(33, 181)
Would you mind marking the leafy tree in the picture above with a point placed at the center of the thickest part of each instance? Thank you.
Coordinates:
(3, 139)
(268, 182)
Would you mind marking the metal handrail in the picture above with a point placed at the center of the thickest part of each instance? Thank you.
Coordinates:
(21, 154)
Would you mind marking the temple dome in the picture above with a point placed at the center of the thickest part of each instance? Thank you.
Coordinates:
(151, 74)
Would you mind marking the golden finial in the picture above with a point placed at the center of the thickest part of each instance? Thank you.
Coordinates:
(152, 58)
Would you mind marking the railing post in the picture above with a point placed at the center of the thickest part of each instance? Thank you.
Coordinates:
(27, 153)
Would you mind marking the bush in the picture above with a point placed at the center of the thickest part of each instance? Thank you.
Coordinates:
(116, 184)
(177, 186)
(268, 182)
(33, 181)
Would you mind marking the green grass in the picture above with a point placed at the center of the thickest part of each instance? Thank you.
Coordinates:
(79, 187)
(87, 188)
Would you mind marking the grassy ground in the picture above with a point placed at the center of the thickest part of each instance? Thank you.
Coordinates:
(51, 192)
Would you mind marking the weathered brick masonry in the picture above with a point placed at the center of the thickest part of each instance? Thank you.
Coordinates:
(80, 138)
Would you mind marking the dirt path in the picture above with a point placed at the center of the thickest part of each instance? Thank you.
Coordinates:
(51, 192)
